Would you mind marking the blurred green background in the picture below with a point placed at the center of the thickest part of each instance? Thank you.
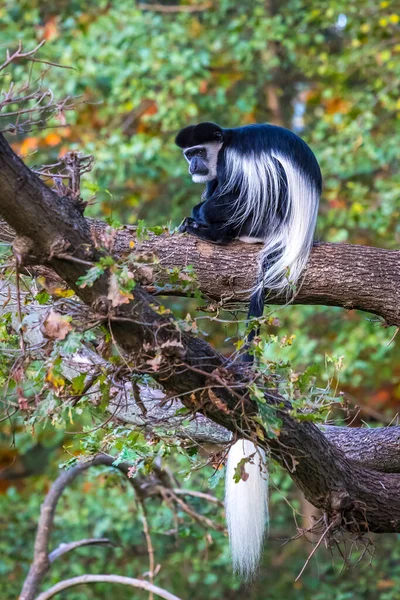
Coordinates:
(331, 72)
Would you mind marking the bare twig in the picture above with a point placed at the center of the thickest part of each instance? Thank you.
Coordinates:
(204, 521)
(64, 548)
(52, 64)
(19, 311)
(64, 256)
(20, 54)
(82, 579)
(184, 8)
(149, 543)
(202, 495)
(317, 545)
(32, 104)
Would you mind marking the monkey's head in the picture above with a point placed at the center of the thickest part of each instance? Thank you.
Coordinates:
(201, 144)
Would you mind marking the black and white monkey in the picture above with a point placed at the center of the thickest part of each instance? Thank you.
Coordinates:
(263, 184)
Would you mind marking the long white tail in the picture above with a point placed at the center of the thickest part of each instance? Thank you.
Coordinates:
(246, 505)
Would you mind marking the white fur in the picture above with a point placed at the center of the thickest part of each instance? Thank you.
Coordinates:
(212, 157)
(246, 507)
(200, 178)
(250, 240)
(260, 183)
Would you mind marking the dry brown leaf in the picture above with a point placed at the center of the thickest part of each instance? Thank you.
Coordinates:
(155, 362)
(56, 326)
(116, 296)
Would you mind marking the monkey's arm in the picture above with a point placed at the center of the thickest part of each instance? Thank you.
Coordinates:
(210, 220)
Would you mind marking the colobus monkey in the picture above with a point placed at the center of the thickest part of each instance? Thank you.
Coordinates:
(263, 184)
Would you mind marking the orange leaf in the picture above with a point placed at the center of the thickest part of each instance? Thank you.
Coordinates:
(28, 145)
(50, 30)
(203, 87)
(151, 110)
(52, 139)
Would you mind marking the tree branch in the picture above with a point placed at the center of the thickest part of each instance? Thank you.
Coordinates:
(344, 275)
(82, 579)
(64, 548)
(42, 559)
(175, 8)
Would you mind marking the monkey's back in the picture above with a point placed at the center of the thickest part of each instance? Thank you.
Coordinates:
(254, 140)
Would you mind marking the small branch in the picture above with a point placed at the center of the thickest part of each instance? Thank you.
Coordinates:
(202, 495)
(71, 258)
(52, 64)
(83, 579)
(41, 558)
(204, 521)
(19, 311)
(149, 544)
(19, 54)
(64, 548)
(184, 8)
(317, 545)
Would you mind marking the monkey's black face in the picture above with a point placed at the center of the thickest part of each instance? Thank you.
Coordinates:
(202, 161)
(197, 159)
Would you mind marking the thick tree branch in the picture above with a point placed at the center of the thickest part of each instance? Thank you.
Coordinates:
(373, 448)
(344, 275)
(353, 498)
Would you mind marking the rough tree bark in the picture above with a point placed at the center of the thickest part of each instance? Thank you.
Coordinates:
(345, 275)
(353, 498)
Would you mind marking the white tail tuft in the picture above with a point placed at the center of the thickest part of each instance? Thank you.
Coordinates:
(246, 506)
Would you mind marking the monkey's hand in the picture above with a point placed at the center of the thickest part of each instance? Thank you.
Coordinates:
(206, 231)
(187, 225)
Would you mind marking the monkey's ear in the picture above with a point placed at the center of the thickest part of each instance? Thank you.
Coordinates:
(218, 136)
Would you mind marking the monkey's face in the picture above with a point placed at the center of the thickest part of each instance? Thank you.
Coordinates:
(202, 161)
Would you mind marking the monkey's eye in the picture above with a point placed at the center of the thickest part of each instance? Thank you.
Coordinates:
(201, 152)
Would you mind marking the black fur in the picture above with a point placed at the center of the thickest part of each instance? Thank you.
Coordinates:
(199, 134)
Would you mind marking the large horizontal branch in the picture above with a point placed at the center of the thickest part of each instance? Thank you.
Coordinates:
(344, 275)
(352, 497)
(373, 448)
